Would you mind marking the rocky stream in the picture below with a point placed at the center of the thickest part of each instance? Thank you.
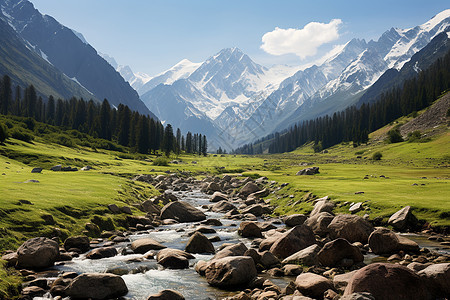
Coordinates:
(215, 239)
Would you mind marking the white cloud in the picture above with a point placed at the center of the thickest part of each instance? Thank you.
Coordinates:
(301, 42)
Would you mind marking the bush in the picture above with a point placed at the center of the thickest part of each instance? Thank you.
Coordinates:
(377, 156)
(22, 135)
(161, 161)
(414, 136)
(394, 136)
(318, 147)
(103, 223)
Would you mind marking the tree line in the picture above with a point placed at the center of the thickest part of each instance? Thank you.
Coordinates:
(128, 128)
(355, 123)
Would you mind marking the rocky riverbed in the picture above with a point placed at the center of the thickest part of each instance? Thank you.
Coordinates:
(215, 239)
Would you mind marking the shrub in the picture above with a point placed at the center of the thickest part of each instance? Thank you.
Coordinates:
(414, 136)
(318, 147)
(22, 135)
(103, 223)
(377, 156)
(394, 136)
(161, 161)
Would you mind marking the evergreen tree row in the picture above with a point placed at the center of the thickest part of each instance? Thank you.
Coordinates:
(354, 124)
(128, 128)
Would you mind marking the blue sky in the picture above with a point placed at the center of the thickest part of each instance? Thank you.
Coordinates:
(153, 35)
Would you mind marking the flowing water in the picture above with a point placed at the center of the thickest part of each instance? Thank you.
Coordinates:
(145, 277)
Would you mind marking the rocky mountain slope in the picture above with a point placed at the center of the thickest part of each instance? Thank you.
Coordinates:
(69, 53)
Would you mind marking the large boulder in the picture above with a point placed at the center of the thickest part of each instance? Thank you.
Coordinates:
(80, 242)
(403, 219)
(198, 243)
(340, 281)
(37, 253)
(142, 246)
(292, 241)
(250, 230)
(313, 285)
(319, 222)
(307, 256)
(103, 252)
(223, 206)
(218, 196)
(322, 205)
(231, 250)
(231, 272)
(388, 282)
(249, 188)
(385, 241)
(308, 171)
(182, 212)
(166, 295)
(437, 277)
(173, 258)
(350, 227)
(97, 286)
(213, 187)
(294, 220)
(332, 253)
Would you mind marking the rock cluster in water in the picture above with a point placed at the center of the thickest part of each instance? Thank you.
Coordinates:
(322, 253)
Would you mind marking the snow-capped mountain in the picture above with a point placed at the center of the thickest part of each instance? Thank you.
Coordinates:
(392, 50)
(181, 70)
(69, 52)
(229, 80)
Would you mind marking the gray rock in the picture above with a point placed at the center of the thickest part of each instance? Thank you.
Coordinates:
(97, 286)
(231, 272)
(307, 256)
(294, 220)
(294, 240)
(308, 171)
(319, 222)
(36, 170)
(166, 295)
(182, 212)
(198, 243)
(355, 208)
(403, 219)
(350, 227)
(313, 285)
(142, 246)
(80, 242)
(37, 253)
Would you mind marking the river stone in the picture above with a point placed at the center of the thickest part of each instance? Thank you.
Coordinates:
(319, 222)
(166, 295)
(322, 206)
(388, 282)
(250, 230)
(142, 246)
(213, 187)
(231, 250)
(385, 241)
(222, 206)
(267, 259)
(97, 286)
(292, 270)
(340, 281)
(37, 253)
(355, 208)
(80, 242)
(256, 210)
(249, 188)
(102, 253)
(294, 240)
(313, 285)
(332, 253)
(182, 212)
(198, 243)
(294, 220)
(403, 219)
(307, 256)
(149, 207)
(114, 208)
(173, 258)
(10, 258)
(350, 227)
(437, 277)
(218, 196)
(231, 272)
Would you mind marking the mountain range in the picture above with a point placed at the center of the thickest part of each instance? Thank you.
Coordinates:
(235, 100)
(64, 52)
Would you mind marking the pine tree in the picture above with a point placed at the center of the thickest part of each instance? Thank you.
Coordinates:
(168, 140)
(204, 146)
(5, 95)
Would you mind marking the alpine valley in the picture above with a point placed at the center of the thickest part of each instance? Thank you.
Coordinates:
(235, 101)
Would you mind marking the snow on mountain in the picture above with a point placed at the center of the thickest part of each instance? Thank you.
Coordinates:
(181, 70)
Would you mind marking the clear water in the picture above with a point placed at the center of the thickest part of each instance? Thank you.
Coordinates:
(146, 277)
